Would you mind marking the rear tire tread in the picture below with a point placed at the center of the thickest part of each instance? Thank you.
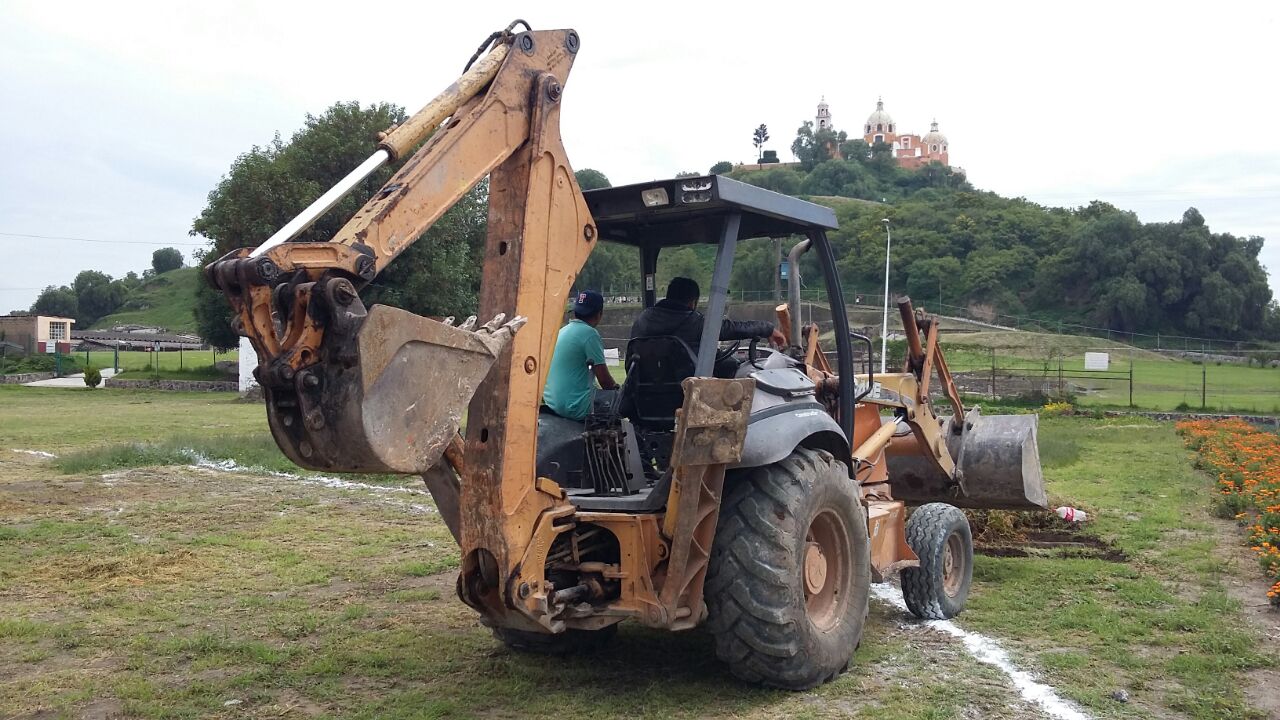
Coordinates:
(753, 578)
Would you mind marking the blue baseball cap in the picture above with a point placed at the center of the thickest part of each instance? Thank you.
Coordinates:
(588, 303)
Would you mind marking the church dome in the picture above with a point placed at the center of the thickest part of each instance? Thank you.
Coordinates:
(880, 120)
(935, 138)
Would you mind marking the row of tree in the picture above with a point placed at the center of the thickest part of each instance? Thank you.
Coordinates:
(951, 241)
(94, 295)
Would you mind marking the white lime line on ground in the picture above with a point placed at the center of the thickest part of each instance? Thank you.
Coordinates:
(203, 463)
(988, 651)
(37, 453)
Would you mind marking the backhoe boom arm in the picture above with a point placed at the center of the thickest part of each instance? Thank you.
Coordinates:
(356, 389)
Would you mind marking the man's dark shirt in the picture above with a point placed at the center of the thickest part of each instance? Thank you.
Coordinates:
(668, 317)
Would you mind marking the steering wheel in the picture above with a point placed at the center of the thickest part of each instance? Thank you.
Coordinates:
(727, 352)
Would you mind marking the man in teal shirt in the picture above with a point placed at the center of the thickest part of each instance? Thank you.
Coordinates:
(579, 354)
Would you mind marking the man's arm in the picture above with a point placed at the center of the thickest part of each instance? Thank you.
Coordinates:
(594, 350)
(604, 377)
(747, 329)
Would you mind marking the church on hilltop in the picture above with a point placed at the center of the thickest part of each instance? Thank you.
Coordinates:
(910, 151)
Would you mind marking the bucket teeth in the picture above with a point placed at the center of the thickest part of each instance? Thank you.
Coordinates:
(400, 404)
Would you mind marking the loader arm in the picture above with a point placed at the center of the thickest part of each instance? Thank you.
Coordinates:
(355, 389)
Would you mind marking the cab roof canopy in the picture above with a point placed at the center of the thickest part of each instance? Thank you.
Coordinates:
(692, 210)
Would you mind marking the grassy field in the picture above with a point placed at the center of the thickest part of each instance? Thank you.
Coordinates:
(1158, 383)
(169, 365)
(166, 300)
(135, 585)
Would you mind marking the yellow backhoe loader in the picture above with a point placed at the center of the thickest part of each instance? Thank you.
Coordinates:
(761, 504)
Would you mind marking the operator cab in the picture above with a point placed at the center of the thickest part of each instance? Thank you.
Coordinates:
(618, 459)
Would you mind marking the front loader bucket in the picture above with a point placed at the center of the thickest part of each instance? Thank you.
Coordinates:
(389, 395)
(997, 467)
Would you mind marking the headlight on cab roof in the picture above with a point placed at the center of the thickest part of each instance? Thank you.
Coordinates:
(695, 191)
(655, 197)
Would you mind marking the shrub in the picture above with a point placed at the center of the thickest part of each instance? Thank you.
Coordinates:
(92, 377)
(1057, 407)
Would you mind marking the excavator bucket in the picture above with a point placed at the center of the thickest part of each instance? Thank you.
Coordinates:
(997, 466)
(389, 396)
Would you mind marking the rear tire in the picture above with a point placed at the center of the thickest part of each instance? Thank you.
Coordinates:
(940, 536)
(569, 642)
(789, 574)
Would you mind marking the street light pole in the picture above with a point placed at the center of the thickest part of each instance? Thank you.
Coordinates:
(884, 330)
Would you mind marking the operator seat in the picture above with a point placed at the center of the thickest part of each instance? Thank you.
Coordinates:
(655, 367)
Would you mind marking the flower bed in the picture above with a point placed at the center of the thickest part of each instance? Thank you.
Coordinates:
(1247, 464)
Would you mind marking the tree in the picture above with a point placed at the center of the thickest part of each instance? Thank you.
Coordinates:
(803, 147)
(268, 185)
(813, 147)
(723, 167)
(97, 296)
(59, 301)
(440, 273)
(166, 259)
(130, 282)
(92, 377)
(837, 177)
(759, 138)
(682, 262)
(607, 265)
(754, 265)
(611, 268)
(589, 179)
(1123, 303)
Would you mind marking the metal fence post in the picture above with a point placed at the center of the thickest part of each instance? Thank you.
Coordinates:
(993, 374)
(1131, 381)
(1061, 395)
(1204, 379)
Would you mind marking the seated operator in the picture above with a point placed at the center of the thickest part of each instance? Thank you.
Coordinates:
(677, 315)
(579, 353)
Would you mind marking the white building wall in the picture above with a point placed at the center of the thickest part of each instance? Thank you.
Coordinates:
(248, 361)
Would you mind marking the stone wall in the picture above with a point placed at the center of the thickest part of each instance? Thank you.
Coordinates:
(1179, 416)
(174, 385)
(21, 378)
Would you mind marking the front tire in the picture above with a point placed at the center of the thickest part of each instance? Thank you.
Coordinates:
(789, 574)
(940, 536)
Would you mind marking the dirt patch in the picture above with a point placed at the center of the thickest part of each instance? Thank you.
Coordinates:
(1244, 582)
(290, 703)
(1056, 543)
(1243, 579)
(104, 709)
(1002, 533)
(1262, 690)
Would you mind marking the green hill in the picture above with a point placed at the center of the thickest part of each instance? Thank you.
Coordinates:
(166, 300)
(1097, 264)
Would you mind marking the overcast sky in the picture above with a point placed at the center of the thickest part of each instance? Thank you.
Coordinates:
(118, 118)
